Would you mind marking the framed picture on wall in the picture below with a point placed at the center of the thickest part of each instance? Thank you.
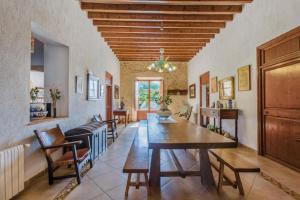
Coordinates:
(214, 84)
(192, 91)
(79, 84)
(93, 84)
(244, 78)
(117, 92)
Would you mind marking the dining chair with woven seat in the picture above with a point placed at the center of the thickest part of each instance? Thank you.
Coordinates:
(53, 140)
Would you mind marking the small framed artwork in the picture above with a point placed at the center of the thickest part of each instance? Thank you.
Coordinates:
(102, 87)
(214, 84)
(192, 91)
(244, 78)
(117, 92)
(93, 84)
(79, 84)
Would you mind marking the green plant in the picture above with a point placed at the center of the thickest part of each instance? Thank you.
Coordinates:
(55, 95)
(34, 93)
(211, 127)
(164, 100)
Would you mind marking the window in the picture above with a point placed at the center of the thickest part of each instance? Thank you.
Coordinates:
(147, 91)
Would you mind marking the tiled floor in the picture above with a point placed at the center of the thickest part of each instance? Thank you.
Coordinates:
(106, 180)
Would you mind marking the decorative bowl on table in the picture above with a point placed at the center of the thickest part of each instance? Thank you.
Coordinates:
(164, 113)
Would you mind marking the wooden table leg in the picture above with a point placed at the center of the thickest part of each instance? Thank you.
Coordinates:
(125, 120)
(154, 176)
(205, 169)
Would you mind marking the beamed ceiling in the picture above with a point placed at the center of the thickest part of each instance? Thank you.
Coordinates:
(135, 30)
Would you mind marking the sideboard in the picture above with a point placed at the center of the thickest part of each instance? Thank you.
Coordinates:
(221, 114)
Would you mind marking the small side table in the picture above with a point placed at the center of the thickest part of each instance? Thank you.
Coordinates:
(121, 113)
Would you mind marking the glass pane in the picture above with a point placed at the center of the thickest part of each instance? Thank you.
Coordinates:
(142, 95)
(155, 93)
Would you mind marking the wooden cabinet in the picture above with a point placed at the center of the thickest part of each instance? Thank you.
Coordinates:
(222, 114)
(279, 99)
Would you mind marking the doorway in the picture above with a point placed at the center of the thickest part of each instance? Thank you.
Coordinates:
(109, 96)
(278, 99)
(204, 97)
(146, 94)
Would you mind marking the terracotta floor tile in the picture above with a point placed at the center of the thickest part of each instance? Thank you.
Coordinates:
(106, 180)
(87, 190)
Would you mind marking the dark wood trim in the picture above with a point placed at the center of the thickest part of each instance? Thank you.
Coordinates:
(204, 78)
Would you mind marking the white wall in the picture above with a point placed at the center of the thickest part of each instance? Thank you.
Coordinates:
(65, 23)
(235, 46)
(56, 68)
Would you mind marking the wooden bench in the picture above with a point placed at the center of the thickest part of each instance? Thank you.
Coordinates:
(234, 162)
(138, 160)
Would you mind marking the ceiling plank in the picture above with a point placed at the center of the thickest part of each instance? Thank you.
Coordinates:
(159, 17)
(161, 9)
(149, 35)
(154, 40)
(173, 2)
(155, 30)
(190, 25)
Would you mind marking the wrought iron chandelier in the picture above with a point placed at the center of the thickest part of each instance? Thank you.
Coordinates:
(162, 65)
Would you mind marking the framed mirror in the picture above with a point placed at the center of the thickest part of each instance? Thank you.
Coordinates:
(226, 88)
(93, 90)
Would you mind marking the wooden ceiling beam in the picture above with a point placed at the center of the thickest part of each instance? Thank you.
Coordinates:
(156, 44)
(184, 25)
(173, 2)
(154, 40)
(155, 30)
(150, 60)
(153, 47)
(161, 9)
(153, 54)
(159, 17)
(149, 35)
(155, 50)
(170, 58)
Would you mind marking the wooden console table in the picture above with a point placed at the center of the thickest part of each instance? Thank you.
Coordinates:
(124, 113)
(222, 114)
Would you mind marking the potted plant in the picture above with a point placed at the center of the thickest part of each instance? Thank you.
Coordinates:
(55, 96)
(34, 93)
(164, 102)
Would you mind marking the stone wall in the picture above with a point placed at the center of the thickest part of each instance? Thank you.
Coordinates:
(131, 70)
(64, 22)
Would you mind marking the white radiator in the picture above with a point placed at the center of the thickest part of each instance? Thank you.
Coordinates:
(11, 172)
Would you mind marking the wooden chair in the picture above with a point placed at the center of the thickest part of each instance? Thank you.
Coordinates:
(185, 111)
(111, 126)
(52, 140)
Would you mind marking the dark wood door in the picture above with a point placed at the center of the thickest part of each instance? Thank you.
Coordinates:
(109, 95)
(108, 102)
(204, 97)
(279, 99)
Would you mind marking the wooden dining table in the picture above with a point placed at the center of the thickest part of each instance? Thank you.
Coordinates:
(181, 134)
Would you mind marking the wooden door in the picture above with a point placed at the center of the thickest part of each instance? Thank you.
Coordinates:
(109, 95)
(279, 99)
(146, 93)
(204, 97)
